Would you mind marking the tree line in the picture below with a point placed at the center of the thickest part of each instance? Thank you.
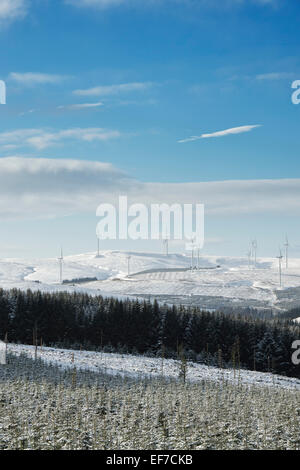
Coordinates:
(131, 326)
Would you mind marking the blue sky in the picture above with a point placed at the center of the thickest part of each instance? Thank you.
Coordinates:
(122, 82)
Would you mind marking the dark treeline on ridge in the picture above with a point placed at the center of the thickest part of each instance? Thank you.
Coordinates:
(93, 322)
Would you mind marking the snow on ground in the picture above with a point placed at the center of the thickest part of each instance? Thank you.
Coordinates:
(140, 366)
(158, 275)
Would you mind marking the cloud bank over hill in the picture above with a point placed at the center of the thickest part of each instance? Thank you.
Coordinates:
(40, 187)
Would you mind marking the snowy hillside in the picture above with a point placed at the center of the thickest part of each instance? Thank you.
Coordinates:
(140, 366)
(126, 406)
(220, 281)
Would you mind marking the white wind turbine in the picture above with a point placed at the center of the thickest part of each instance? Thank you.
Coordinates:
(198, 259)
(286, 252)
(254, 251)
(192, 253)
(166, 246)
(128, 265)
(98, 247)
(279, 267)
(60, 261)
(249, 254)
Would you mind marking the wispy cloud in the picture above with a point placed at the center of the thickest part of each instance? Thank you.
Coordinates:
(274, 76)
(96, 3)
(29, 111)
(149, 102)
(232, 131)
(105, 4)
(81, 106)
(266, 2)
(36, 78)
(107, 90)
(40, 139)
(11, 10)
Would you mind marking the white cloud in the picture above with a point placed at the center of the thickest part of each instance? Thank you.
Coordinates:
(81, 106)
(104, 4)
(275, 76)
(266, 2)
(232, 196)
(36, 78)
(107, 90)
(11, 10)
(233, 130)
(29, 111)
(41, 139)
(33, 187)
(96, 3)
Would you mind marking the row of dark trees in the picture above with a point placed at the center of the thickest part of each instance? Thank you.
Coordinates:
(73, 320)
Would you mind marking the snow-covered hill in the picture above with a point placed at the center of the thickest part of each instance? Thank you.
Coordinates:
(140, 366)
(220, 281)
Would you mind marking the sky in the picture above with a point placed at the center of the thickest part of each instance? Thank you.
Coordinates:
(164, 100)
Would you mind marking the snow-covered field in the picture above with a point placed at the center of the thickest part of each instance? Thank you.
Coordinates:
(144, 367)
(49, 407)
(220, 281)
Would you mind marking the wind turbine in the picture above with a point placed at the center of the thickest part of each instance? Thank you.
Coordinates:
(192, 254)
(286, 252)
(279, 266)
(249, 253)
(166, 246)
(128, 265)
(198, 259)
(165, 238)
(61, 260)
(98, 247)
(254, 251)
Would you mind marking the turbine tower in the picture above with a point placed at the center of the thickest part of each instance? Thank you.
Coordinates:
(98, 247)
(249, 254)
(192, 254)
(166, 246)
(254, 251)
(128, 265)
(286, 252)
(61, 260)
(165, 235)
(279, 266)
